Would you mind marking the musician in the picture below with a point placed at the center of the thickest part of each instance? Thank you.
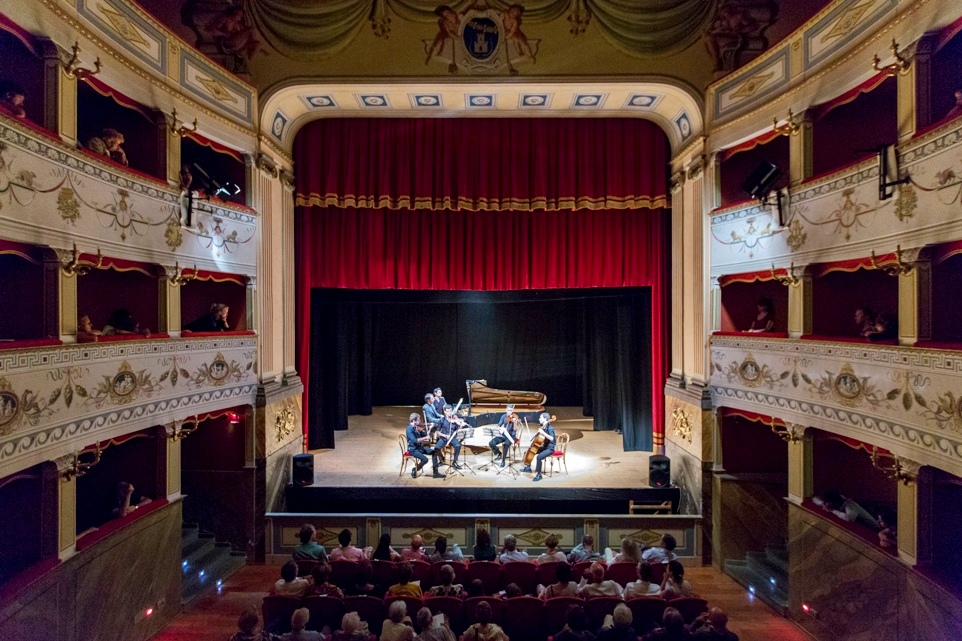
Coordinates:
(449, 426)
(430, 413)
(417, 437)
(547, 449)
(507, 424)
(438, 401)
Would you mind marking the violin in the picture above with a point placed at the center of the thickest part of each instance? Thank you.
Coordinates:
(511, 418)
(537, 443)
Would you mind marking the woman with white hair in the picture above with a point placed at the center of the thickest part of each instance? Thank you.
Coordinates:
(617, 626)
(397, 627)
(298, 624)
(353, 629)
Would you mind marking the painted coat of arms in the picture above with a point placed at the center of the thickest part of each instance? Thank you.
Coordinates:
(481, 39)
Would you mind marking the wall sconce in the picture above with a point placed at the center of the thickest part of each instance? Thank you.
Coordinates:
(77, 468)
(177, 432)
(900, 66)
(788, 434)
(900, 268)
(898, 470)
(182, 129)
(789, 128)
(788, 279)
(77, 267)
(681, 423)
(73, 69)
(179, 279)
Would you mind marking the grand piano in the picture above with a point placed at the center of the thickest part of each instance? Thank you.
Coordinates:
(487, 404)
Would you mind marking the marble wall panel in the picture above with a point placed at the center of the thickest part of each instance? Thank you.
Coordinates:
(750, 516)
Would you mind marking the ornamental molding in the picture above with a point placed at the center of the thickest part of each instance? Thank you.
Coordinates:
(677, 181)
(267, 165)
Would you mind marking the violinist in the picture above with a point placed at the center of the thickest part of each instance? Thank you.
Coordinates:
(508, 435)
(418, 437)
(547, 449)
(448, 433)
(438, 401)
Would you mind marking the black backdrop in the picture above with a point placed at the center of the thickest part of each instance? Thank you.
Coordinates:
(587, 347)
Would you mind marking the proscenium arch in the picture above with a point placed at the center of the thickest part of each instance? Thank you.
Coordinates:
(676, 109)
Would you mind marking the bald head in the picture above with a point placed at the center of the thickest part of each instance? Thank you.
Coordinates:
(718, 619)
(416, 542)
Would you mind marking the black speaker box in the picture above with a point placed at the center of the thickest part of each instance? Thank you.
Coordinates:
(303, 469)
(761, 180)
(659, 471)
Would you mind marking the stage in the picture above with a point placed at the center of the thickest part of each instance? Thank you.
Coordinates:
(361, 475)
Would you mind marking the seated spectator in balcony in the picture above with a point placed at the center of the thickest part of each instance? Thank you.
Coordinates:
(121, 322)
(384, 551)
(563, 587)
(663, 552)
(617, 626)
(448, 587)
(444, 553)
(598, 586)
(765, 320)
(353, 629)
(85, 330)
(12, 98)
(956, 109)
(576, 626)
(247, 628)
(404, 587)
(643, 586)
(511, 552)
(309, 549)
(864, 321)
(674, 585)
(298, 624)
(712, 626)
(886, 328)
(484, 630)
(484, 550)
(291, 584)
(475, 588)
(108, 144)
(397, 625)
(213, 321)
(584, 551)
(629, 552)
(432, 628)
(415, 552)
(321, 582)
(888, 532)
(126, 501)
(346, 551)
(551, 553)
(845, 509)
(672, 628)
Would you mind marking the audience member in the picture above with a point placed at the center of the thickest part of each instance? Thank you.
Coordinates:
(484, 630)
(353, 629)
(617, 626)
(213, 321)
(672, 628)
(415, 553)
(108, 144)
(864, 320)
(663, 552)
(123, 499)
(346, 551)
(564, 586)
(443, 553)
(309, 548)
(598, 585)
(551, 553)
(431, 629)
(643, 586)
(404, 587)
(629, 552)
(584, 551)
(186, 178)
(290, 583)
(12, 98)
(121, 321)
(886, 328)
(384, 551)
(845, 509)
(247, 628)
(397, 625)
(712, 626)
(363, 577)
(511, 552)
(956, 109)
(765, 320)
(888, 532)
(85, 330)
(475, 588)
(483, 549)
(447, 587)
(322, 586)
(298, 622)
(674, 585)
(576, 626)
(512, 591)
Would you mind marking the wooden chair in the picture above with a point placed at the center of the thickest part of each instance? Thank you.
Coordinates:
(406, 457)
(556, 612)
(559, 454)
(548, 572)
(523, 617)
(647, 613)
(277, 611)
(488, 572)
(325, 610)
(450, 606)
(622, 573)
(524, 573)
(689, 606)
(370, 609)
(598, 607)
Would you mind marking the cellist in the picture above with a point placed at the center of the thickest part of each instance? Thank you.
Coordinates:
(547, 448)
(507, 435)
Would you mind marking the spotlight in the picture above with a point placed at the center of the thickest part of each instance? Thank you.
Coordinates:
(148, 612)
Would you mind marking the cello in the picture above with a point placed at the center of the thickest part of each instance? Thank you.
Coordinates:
(536, 443)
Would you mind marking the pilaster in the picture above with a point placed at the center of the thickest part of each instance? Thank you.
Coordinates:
(695, 306)
(168, 300)
(678, 251)
(915, 303)
(800, 150)
(67, 518)
(287, 209)
(908, 520)
(68, 311)
(800, 469)
(914, 108)
(800, 307)
(60, 94)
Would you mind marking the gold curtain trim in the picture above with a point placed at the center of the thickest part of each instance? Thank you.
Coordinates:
(481, 204)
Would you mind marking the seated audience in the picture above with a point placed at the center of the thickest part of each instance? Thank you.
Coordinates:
(309, 548)
(765, 320)
(362, 580)
(956, 109)
(483, 549)
(643, 586)
(475, 588)
(448, 587)
(247, 628)
(662, 553)
(404, 587)
(864, 320)
(584, 551)
(443, 553)
(431, 628)
(289, 583)
(512, 590)
(213, 321)
(353, 629)
(484, 630)
(886, 328)
(108, 144)
(674, 585)
(384, 551)
(845, 509)
(511, 552)
(124, 497)
(672, 628)
(712, 626)
(12, 98)
(598, 585)
(346, 551)
(415, 552)
(85, 330)
(121, 321)
(322, 586)
(551, 553)
(397, 625)
(298, 622)
(576, 626)
(564, 587)
(617, 626)
(629, 552)
(888, 532)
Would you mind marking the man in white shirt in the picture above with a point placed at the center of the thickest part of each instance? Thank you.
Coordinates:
(511, 551)
(598, 586)
(662, 553)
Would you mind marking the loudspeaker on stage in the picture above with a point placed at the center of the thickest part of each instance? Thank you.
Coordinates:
(303, 472)
(659, 471)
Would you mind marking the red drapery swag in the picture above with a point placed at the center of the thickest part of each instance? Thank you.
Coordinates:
(422, 235)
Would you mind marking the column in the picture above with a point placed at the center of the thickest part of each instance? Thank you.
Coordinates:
(800, 306)
(61, 291)
(59, 93)
(800, 152)
(269, 277)
(908, 519)
(915, 91)
(171, 146)
(799, 465)
(915, 300)
(714, 301)
(678, 249)
(168, 300)
(67, 510)
(287, 209)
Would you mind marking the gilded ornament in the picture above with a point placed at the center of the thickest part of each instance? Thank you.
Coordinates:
(907, 203)
(284, 422)
(797, 236)
(173, 235)
(68, 206)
